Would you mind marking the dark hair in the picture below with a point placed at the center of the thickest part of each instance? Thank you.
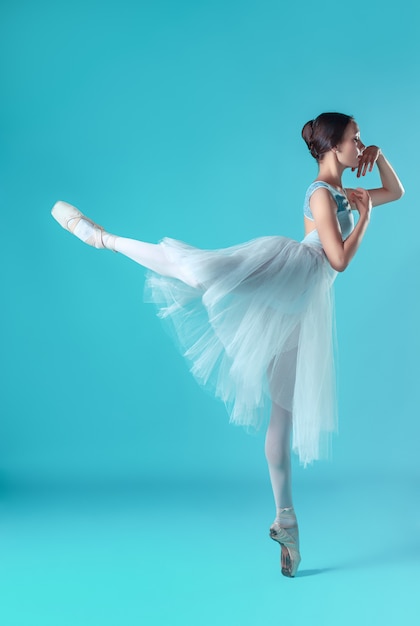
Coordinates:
(325, 132)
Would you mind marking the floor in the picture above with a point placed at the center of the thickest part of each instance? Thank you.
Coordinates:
(75, 554)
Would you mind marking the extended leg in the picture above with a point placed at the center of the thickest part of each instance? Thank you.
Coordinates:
(153, 257)
(149, 255)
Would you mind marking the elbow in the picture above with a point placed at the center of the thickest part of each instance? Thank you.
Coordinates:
(339, 263)
(340, 266)
(396, 194)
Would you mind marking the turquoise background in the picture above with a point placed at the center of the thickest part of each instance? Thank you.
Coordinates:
(125, 495)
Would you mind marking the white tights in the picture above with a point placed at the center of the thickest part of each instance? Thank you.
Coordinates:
(152, 256)
(277, 443)
(277, 452)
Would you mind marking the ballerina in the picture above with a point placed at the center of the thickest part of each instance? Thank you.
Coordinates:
(255, 321)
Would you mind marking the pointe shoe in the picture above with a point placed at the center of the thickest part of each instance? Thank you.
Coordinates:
(86, 230)
(288, 538)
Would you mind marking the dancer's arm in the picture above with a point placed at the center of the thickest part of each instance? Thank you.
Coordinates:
(324, 209)
(391, 189)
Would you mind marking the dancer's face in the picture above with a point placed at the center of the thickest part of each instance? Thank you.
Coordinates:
(350, 149)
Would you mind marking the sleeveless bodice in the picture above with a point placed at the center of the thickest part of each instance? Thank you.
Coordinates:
(344, 213)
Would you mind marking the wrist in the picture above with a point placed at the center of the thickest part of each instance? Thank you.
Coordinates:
(364, 218)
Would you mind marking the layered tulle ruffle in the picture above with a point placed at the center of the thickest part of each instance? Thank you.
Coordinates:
(257, 326)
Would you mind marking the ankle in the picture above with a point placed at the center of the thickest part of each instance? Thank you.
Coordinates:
(286, 516)
(108, 241)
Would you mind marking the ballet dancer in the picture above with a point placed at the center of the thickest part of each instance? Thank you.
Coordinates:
(255, 321)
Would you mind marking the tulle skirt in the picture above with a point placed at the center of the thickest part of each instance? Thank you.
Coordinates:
(256, 325)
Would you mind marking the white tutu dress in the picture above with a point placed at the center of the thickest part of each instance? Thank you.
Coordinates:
(259, 326)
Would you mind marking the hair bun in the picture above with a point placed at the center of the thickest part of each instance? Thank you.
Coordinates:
(324, 132)
(307, 131)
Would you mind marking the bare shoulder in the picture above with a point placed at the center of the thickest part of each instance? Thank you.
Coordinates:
(324, 210)
(322, 202)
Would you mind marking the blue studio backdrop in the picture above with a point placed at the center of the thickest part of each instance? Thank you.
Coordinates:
(183, 119)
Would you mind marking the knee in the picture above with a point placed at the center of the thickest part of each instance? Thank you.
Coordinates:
(277, 441)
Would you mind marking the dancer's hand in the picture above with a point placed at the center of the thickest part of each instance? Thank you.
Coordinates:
(362, 200)
(367, 160)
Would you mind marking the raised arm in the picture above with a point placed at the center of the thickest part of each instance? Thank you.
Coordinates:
(339, 253)
(392, 188)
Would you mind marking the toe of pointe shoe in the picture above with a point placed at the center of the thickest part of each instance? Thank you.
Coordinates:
(63, 212)
(288, 538)
(72, 220)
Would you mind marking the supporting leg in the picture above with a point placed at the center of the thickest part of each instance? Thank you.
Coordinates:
(284, 530)
(277, 451)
